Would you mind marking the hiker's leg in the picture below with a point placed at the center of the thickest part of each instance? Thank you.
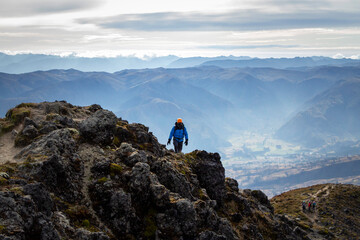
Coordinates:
(176, 145)
(180, 145)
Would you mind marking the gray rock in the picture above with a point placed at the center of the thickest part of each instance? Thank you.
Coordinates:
(160, 195)
(59, 142)
(65, 121)
(59, 107)
(135, 157)
(226, 229)
(30, 131)
(48, 231)
(141, 132)
(263, 199)
(4, 175)
(209, 235)
(94, 107)
(232, 184)
(28, 121)
(123, 216)
(186, 215)
(171, 178)
(140, 180)
(211, 174)
(168, 225)
(82, 234)
(99, 128)
(59, 177)
(47, 127)
(20, 216)
(14, 133)
(125, 150)
(129, 155)
(41, 197)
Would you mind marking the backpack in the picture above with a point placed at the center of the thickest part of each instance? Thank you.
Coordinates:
(179, 131)
(179, 126)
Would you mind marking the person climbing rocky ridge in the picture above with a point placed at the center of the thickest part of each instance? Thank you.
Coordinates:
(82, 173)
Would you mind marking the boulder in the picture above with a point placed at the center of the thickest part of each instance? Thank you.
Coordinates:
(99, 128)
(211, 173)
(41, 197)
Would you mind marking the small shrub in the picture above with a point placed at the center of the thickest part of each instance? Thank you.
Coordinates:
(17, 115)
(74, 133)
(85, 223)
(150, 224)
(2, 228)
(103, 180)
(3, 181)
(26, 105)
(51, 116)
(21, 140)
(115, 169)
(18, 190)
(6, 127)
(116, 141)
(78, 212)
(324, 231)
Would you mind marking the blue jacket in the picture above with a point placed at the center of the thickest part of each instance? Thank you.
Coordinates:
(179, 134)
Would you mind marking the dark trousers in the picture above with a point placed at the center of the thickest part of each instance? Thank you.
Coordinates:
(178, 146)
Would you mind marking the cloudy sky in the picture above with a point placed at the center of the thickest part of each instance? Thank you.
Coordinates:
(257, 28)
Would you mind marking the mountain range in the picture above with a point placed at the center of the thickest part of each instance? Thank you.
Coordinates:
(22, 63)
(332, 115)
(305, 106)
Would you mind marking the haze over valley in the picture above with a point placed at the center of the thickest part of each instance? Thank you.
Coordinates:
(265, 121)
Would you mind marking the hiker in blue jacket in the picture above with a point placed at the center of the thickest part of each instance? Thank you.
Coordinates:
(178, 132)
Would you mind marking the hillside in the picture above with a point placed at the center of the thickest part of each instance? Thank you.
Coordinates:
(330, 117)
(336, 215)
(70, 172)
(281, 62)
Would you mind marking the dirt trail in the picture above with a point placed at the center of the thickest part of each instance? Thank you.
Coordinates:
(325, 189)
(313, 215)
(322, 193)
(7, 149)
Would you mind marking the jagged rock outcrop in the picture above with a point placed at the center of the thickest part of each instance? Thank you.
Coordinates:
(83, 173)
(99, 128)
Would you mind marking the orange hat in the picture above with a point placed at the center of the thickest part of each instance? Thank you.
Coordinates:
(179, 120)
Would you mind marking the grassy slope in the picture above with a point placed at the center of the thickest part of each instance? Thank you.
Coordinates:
(337, 213)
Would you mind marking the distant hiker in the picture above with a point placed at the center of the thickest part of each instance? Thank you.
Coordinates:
(309, 206)
(178, 132)
(314, 205)
(303, 206)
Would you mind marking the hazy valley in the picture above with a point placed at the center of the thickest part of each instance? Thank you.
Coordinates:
(270, 124)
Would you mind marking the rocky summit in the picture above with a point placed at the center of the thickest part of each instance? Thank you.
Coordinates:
(70, 172)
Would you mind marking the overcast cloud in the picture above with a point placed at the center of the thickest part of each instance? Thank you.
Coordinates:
(23, 8)
(240, 20)
(259, 28)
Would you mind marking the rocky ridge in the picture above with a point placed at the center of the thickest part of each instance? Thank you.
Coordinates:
(82, 173)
